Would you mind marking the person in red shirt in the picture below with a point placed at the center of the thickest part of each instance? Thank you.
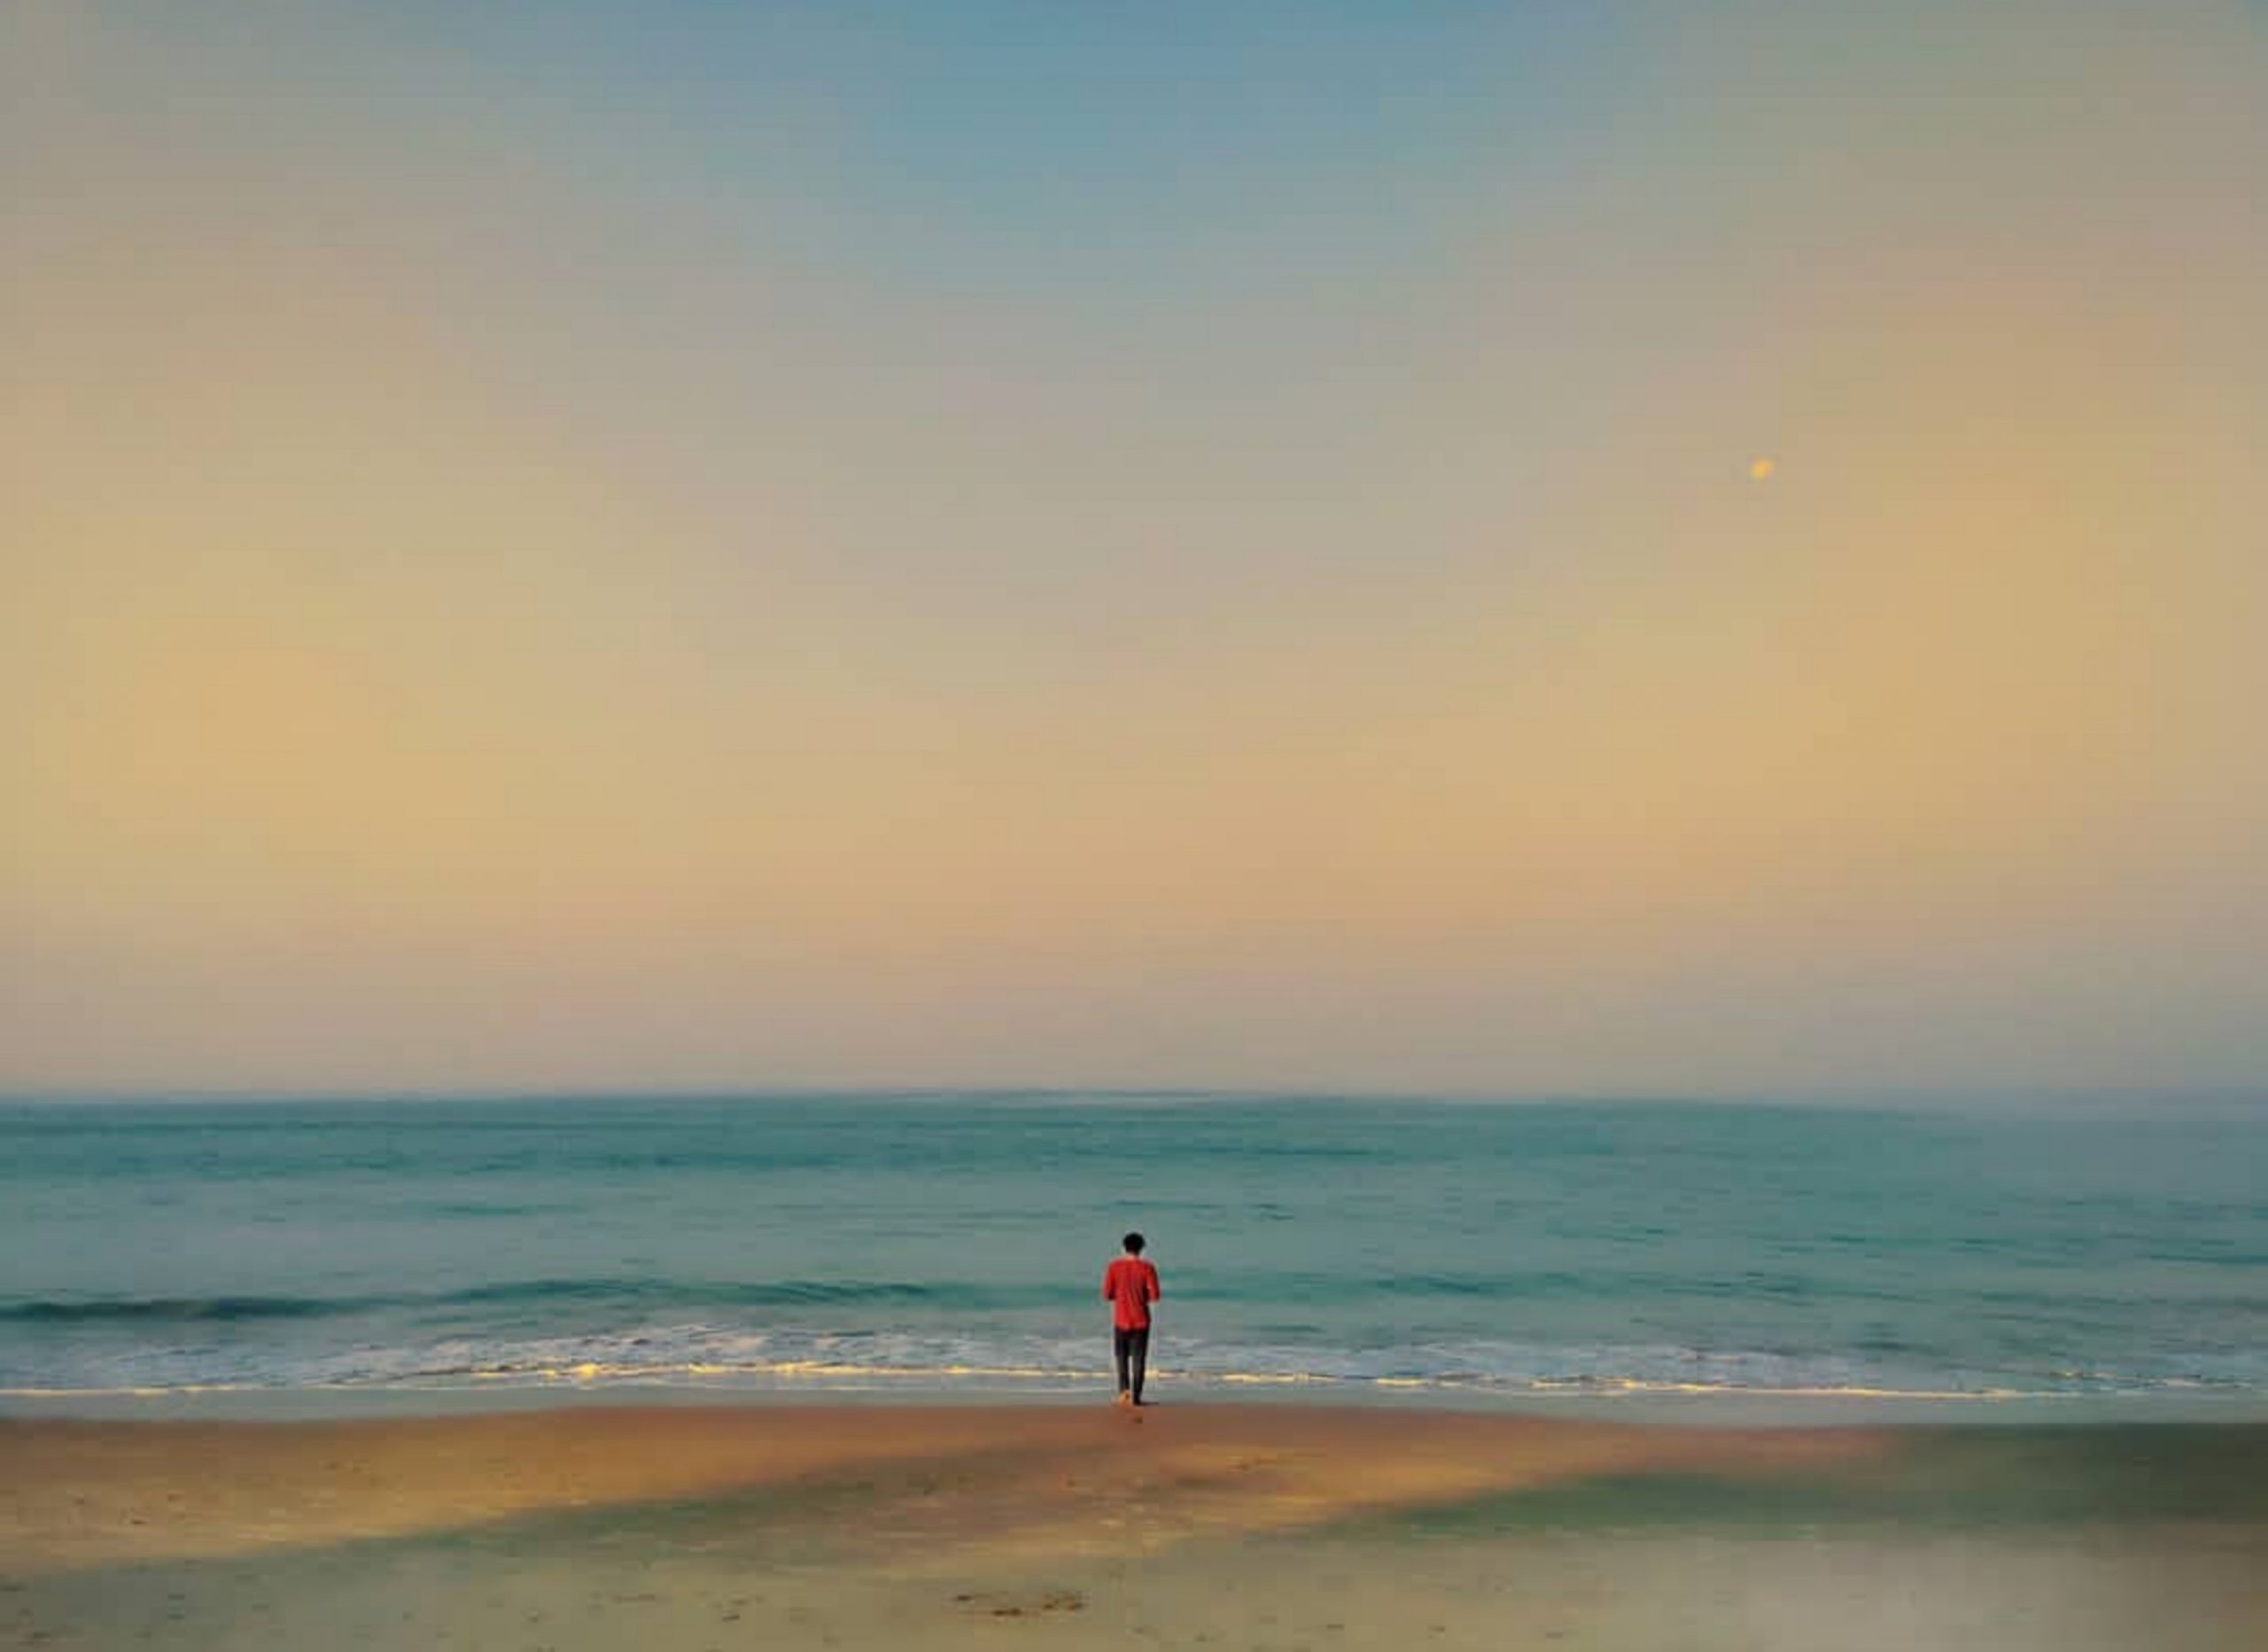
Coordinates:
(1129, 1286)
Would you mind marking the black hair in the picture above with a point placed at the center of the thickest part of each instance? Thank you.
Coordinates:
(1134, 1243)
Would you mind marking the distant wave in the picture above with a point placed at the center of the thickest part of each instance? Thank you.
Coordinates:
(656, 1294)
(517, 1293)
(720, 1293)
(140, 1309)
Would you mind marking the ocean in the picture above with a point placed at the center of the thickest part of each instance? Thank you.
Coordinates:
(926, 1244)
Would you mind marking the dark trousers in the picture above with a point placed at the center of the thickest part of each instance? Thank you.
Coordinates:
(1132, 1348)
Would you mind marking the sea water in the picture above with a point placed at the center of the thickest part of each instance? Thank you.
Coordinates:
(929, 1243)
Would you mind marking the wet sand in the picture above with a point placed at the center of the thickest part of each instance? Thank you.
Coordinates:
(1198, 1525)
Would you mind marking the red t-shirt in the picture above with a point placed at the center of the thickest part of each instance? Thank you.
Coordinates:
(1131, 1284)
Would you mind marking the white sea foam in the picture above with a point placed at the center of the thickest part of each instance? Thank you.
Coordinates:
(702, 1355)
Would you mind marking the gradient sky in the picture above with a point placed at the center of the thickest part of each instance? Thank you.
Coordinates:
(686, 544)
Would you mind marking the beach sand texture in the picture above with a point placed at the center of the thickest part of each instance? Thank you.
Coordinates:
(1228, 1527)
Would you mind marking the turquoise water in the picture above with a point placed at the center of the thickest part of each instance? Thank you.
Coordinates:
(913, 1242)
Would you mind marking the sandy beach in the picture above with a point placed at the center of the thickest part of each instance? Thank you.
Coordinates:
(701, 1526)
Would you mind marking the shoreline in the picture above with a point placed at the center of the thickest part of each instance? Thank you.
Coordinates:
(1647, 1405)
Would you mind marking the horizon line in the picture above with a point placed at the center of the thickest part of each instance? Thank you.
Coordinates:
(1882, 1097)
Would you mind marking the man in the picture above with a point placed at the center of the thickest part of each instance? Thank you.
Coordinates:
(1129, 1286)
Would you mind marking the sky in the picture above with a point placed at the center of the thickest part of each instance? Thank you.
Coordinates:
(1553, 548)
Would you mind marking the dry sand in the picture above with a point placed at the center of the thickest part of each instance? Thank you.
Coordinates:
(1200, 1525)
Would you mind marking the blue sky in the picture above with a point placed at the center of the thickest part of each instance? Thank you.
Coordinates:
(704, 544)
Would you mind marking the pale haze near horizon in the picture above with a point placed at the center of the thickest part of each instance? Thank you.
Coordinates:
(1652, 548)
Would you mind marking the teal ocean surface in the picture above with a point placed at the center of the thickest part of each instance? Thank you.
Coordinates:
(915, 1242)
